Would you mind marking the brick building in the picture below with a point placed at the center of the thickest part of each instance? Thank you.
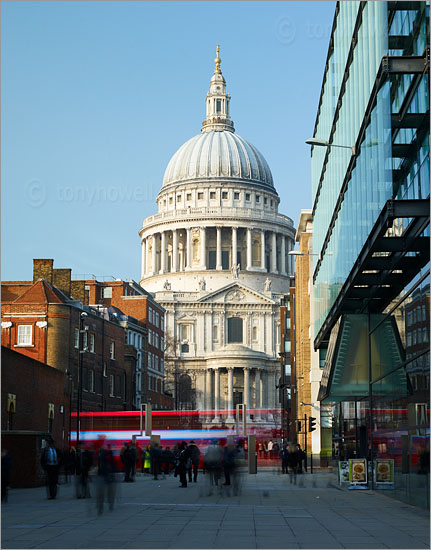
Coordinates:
(43, 321)
(34, 407)
(142, 310)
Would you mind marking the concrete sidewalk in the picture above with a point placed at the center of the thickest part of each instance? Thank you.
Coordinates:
(269, 512)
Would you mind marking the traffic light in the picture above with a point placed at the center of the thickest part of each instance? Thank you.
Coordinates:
(311, 423)
(298, 426)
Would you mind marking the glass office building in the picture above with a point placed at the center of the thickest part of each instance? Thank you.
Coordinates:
(371, 184)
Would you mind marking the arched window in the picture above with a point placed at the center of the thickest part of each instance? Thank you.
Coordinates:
(254, 336)
(234, 330)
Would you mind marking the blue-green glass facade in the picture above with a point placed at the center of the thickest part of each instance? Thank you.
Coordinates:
(391, 161)
(371, 183)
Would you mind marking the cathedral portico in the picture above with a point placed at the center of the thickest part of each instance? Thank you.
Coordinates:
(216, 256)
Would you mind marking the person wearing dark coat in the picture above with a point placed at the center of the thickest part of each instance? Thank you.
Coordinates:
(194, 455)
(300, 457)
(283, 456)
(107, 470)
(184, 463)
(155, 457)
(83, 463)
(292, 463)
(51, 461)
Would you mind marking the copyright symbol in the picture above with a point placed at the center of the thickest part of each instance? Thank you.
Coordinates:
(285, 30)
(35, 193)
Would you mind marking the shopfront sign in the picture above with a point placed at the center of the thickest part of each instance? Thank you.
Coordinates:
(384, 471)
(358, 471)
(344, 471)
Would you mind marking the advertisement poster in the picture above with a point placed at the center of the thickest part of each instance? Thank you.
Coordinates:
(384, 471)
(344, 471)
(358, 470)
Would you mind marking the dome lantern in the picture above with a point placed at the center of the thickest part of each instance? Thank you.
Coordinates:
(217, 102)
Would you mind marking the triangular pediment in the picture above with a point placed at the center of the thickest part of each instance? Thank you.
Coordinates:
(236, 293)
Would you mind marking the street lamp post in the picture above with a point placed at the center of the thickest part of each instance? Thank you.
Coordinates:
(79, 397)
(323, 143)
(70, 387)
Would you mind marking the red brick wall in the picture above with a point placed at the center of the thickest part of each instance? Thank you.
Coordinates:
(35, 386)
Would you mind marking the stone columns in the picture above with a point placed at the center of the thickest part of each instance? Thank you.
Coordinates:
(218, 253)
(216, 394)
(208, 395)
(258, 393)
(147, 256)
(163, 253)
(203, 248)
(234, 246)
(230, 417)
(274, 253)
(188, 250)
(174, 263)
(246, 396)
(249, 251)
(262, 249)
(144, 257)
(154, 258)
(283, 255)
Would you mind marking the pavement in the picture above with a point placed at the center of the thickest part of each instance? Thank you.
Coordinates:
(267, 512)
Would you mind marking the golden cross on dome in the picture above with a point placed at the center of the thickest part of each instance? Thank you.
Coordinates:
(217, 61)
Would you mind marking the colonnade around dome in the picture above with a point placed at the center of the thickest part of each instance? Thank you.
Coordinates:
(219, 248)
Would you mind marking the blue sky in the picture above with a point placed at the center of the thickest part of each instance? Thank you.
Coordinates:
(97, 97)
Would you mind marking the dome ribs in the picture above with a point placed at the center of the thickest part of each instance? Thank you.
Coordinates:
(218, 155)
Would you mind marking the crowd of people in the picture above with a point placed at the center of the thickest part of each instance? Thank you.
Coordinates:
(292, 458)
(221, 461)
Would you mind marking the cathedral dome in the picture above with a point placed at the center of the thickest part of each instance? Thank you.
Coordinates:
(218, 156)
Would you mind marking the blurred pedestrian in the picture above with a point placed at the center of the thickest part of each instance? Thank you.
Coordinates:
(83, 463)
(51, 461)
(167, 460)
(156, 456)
(6, 463)
(292, 463)
(184, 463)
(284, 456)
(229, 455)
(213, 464)
(106, 479)
(270, 448)
(146, 461)
(301, 456)
(195, 456)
